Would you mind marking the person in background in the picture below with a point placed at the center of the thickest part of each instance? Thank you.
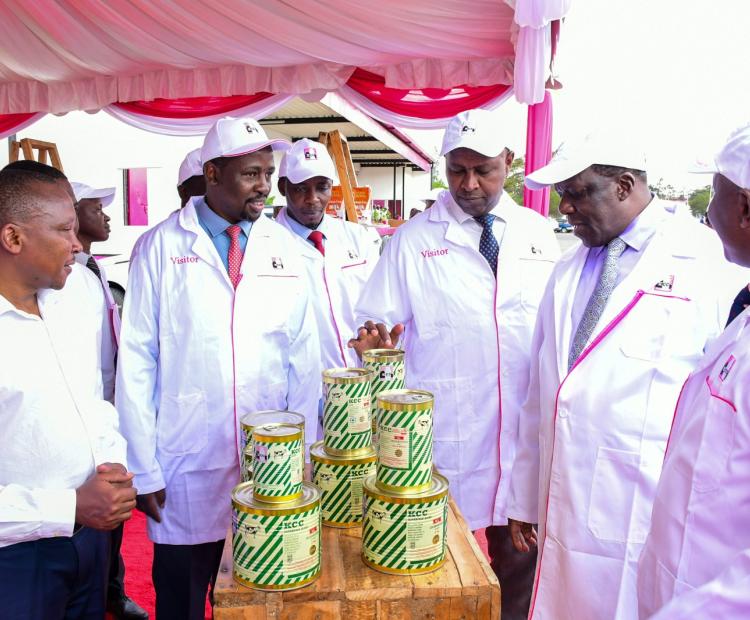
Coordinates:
(695, 563)
(190, 181)
(339, 255)
(739, 304)
(63, 481)
(462, 283)
(625, 317)
(217, 322)
(93, 227)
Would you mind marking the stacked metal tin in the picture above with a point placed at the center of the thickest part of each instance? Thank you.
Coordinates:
(276, 515)
(345, 457)
(405, 502)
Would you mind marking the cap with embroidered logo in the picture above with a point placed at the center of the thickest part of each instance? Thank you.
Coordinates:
(305, 160)
(84, 192)
(232, 137)
(477, 130)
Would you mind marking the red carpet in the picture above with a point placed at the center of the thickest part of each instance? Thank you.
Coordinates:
(137, 553)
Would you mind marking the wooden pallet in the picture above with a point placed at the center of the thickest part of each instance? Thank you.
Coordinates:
(464, 588)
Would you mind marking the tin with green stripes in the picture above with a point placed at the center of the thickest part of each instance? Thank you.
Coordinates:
(262, 418)
(347, 415)
(340, 480)
(388, 373)
(276, 546)
(405, 440)
(277, 468)
(405, 534)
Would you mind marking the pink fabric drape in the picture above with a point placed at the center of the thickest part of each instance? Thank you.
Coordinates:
(538, 151)
(11, 123)
(192, 107)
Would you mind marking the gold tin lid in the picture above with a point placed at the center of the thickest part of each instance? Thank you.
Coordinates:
(244, 501)
(405, 400)
(383, 355)
(271, 416)
(277, 433)
(343, 376)
(437, 490)
(319, 455)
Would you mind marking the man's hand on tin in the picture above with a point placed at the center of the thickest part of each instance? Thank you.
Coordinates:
(376, 336)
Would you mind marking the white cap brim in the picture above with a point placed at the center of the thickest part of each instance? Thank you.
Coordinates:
(704, 167)
(277, 144)
(105, 194)
(554, 172)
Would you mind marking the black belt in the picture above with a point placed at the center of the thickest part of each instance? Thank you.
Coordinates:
(77, 527)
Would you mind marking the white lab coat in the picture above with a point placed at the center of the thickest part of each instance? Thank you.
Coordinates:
(591, 442)
(195, 355)
(467, 339)
(336, 281)
(110, 329)
(696, 561)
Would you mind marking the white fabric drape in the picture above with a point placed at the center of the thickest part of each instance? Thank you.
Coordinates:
(57, 55)
(194, 126)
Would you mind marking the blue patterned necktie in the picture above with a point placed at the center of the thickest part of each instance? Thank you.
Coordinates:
(598, 300)
(488, 246)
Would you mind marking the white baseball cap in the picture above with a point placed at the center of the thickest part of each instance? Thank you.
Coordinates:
(477, 130)
(83, 192)
(190, 167)
(232, 137)
(732, 160)
(305, 160)
(574, 157)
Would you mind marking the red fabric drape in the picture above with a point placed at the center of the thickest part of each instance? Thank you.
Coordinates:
(538, 151)
(428, 103)
(193, 107)
(10, 122)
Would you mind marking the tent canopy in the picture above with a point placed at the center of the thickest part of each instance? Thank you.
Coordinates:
(57, 55)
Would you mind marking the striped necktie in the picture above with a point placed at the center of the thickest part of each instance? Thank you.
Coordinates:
(488, 246)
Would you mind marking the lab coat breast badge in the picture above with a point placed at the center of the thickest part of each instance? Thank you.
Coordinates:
(727, 368)
(665, 285)
(277, 263)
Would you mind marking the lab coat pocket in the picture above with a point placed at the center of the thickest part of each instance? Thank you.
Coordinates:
(534, 273)
(181, 425)
(611, 502)
(717, 440)
(454, 408)
(646, 332)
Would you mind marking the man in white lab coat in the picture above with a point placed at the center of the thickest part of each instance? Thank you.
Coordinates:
(93, 227)
(339, 256)
(463, 281)
(624, 318)
(217, 322)
(696, 560)
(62, 478)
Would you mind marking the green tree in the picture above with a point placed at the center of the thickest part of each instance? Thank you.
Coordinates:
(666, 191)
(698, 200)
(436, 181)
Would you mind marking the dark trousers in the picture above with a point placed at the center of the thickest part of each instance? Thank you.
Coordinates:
(514, 570)
(55, 578)
(116, 578)
(182, 575)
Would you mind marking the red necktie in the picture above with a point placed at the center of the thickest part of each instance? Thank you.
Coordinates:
(235, 254)
(317, 238)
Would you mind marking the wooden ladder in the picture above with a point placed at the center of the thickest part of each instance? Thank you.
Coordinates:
(338, 147)
(27, 146)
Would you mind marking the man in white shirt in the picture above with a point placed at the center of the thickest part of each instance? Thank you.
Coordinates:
(339, 256)
(217, 322)
(623, 320)
(696, 560)
(463, 282)
(61, 473)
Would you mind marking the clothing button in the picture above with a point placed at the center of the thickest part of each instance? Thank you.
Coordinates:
(562, 412)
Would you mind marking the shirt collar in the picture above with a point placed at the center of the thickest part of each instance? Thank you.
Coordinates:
(304, 231)
(643, 227)
(499, 210)
(213, 222)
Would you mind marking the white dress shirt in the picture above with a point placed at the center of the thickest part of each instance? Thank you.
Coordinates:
(473, 228)
(55, 426)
